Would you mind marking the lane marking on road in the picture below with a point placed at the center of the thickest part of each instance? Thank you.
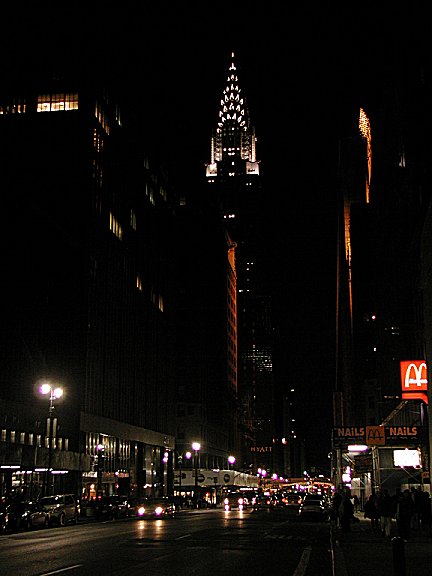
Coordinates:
(184, 536)
(304, 561)
(62, 570)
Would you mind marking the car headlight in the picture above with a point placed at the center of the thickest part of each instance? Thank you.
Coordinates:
(159, 510)
(141, 511)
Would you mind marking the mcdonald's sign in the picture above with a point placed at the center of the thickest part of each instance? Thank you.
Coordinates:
(414, 380)
(375, 435)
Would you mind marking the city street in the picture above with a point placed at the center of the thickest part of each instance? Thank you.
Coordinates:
(195, 542)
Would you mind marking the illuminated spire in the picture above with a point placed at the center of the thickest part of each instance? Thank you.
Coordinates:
(234, 136)
(232, 105)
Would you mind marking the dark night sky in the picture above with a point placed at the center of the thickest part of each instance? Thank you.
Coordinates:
(304, 71)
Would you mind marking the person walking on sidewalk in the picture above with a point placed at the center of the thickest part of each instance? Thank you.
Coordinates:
(347, 511)
(335, 512)
(426, 513)
(386, 511)
(371, 512)
(404, 514)
(356, 502)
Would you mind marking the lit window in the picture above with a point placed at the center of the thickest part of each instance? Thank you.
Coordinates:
(16, 107)
(133, 219)
(3, 435)
(12, 436)
(115, 227)
(57, 102)
(22, 438)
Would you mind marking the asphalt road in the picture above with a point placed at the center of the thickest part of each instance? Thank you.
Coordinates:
(199, 542)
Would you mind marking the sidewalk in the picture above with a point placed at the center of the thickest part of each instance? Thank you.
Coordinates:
(364, 553)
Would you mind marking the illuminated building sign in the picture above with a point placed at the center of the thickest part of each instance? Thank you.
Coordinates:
(414, 380)
(261, 449)
(377, 435)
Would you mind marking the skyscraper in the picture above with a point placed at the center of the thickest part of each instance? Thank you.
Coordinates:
(87, 292)
(235, 186)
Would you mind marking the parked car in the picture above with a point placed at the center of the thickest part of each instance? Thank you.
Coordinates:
(3, 517)
(21, 515)
(235, 501)
(314, 507)
(163, 507)
(63, 508)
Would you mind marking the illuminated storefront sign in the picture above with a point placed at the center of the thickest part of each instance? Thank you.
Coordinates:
(414, 380)
(378, 435)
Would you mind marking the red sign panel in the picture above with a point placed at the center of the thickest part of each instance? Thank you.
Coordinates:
(413, 375)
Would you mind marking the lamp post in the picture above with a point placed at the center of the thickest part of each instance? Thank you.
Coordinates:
(180, 464)
(196, 446)
(231, 462)
(262, 473)
(100, 451)
(54, 394)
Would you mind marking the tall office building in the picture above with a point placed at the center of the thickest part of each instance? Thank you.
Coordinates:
(87, 293)
(235, 187)
(380, 305)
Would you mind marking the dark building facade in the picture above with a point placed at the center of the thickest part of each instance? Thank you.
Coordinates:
(206, 328)
(87, 295)
(381, 306)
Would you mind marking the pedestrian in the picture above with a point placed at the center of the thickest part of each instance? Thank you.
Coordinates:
(371, 512)
(386, 510)
(335, 512)
(347, 511)
(404, 514)
(356, 502)
(416, 496)
(426, 513)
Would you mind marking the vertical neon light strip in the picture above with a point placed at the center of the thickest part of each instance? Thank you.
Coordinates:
(365, 131)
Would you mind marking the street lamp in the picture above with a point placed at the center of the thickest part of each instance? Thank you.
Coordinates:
(231, 461)
(262, 473)
(54, 394)
(196, 446)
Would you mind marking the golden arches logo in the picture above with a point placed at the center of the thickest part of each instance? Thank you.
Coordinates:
(375, 435)
(414, 375)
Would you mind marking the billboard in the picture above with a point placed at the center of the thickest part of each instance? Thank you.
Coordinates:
(414, 380)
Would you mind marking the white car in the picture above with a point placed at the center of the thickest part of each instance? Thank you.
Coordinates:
(63, 508)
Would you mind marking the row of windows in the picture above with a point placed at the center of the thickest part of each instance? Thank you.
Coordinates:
(45, 103)
(30, 439)
(115, 226)
(57, 102)
(115, 451)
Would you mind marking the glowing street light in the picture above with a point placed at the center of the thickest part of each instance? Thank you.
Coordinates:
(196, 446)
(231, 461)
(54, 394)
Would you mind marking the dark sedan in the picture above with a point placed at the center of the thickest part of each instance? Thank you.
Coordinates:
(25, 516)
(162, 507)
(314, 507)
